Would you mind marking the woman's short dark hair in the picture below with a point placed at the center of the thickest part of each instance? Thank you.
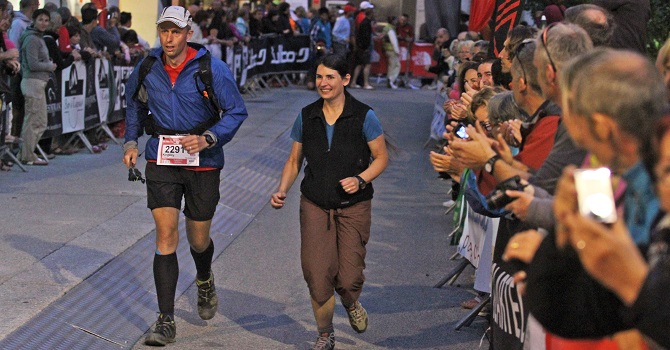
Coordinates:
(73, 30)
(336, 62)
(130, 37)
(39, 12)
(125, 17)
(88, 15)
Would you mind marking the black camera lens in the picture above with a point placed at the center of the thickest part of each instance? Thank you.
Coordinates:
(498, 199)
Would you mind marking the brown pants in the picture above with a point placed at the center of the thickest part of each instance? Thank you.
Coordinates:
(332, 250)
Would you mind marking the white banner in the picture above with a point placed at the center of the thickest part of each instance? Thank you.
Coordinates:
(102, 87)
(72, 87)
(476, 228)
(437, 125)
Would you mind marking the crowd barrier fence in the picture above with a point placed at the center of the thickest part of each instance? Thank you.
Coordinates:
(91, 95)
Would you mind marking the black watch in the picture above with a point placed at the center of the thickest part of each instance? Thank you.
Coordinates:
(209, 139)
(361, 182)
(490, 164)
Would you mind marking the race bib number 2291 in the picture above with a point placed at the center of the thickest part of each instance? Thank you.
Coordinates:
(170, 152)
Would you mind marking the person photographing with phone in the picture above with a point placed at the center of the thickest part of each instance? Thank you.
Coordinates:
(343, 143)
(602, 274)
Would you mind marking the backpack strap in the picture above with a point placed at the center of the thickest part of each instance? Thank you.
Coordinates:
(141, 92)
(205, 74)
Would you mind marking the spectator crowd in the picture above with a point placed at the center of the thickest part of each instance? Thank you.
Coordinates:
(559, 144)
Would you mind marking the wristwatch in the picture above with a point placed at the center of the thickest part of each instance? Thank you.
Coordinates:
(489, 166)
(361, 182)
(210, 139)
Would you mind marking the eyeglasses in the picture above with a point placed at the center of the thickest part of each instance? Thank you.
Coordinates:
(518, 51)
(544, 44)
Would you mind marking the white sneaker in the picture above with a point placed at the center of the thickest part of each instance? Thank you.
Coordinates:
(448, 203)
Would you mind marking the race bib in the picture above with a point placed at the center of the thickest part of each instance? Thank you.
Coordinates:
(170, 152)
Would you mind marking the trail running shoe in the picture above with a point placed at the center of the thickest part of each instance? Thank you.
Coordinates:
(207, 300)
(164, 332)
(358, 318)
(325, 342)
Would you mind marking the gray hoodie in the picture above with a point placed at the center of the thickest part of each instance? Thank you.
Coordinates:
(35, 60)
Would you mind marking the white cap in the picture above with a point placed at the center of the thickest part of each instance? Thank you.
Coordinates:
(366, 5)
(177, 15)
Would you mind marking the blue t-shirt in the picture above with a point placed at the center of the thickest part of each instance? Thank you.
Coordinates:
(372, 128)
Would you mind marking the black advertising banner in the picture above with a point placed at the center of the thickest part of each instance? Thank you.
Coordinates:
(270, 55)
(54, 117)
(80, 96)
(91, 116)
(506, 15)
(121, 76)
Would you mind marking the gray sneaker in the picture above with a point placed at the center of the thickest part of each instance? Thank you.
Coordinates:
(358, 318)
(324, 342)
(164, 332)
(207, 299)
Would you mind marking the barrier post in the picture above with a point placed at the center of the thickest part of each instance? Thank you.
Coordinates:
(4, 149)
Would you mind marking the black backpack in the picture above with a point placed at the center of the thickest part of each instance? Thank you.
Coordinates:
(204, 73)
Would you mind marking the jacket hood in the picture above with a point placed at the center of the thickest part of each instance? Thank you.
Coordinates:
(29, 31)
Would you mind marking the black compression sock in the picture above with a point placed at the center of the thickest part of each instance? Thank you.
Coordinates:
(166, 273)
(203, 261)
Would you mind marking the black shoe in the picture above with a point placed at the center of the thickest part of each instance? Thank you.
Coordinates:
(207, 299)
(164, 332)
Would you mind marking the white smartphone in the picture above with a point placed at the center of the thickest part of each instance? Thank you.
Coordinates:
(594, 194)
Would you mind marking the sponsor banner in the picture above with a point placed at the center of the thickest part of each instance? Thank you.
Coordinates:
(269, 55)
(72, 87)
(476, 230)
(437, 126)
(54, 119)
(103, 87)
(91, 113)
(122, 74)
(79, 96)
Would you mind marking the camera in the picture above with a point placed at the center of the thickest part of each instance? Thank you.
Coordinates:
(459, 131)
(135, 175)
(594, 194)
(498, 199)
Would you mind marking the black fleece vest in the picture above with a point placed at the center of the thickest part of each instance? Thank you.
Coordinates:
(348, 155)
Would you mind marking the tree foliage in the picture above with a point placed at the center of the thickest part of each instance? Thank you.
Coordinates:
(658, 28)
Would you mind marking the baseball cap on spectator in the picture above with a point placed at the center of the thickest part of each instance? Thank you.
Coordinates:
(349, 8)
(177, 15)
(366, 5)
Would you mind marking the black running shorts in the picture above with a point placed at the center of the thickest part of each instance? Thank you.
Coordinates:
(167, 185)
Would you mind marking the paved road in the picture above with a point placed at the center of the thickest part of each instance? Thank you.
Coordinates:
(76, 244)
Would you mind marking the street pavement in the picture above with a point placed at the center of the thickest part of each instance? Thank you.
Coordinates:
(76, 245)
